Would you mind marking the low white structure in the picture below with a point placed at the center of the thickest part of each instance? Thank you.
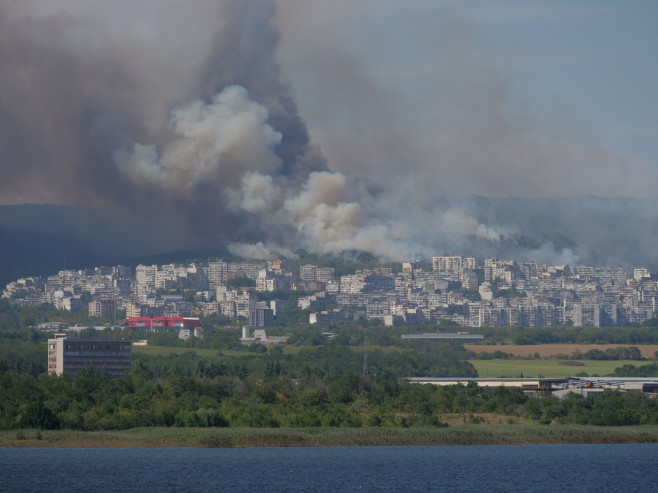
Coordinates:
(260, 336)
(446, 336)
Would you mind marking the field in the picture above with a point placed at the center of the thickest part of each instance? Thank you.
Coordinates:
(167, 351)
(548, 350)
(549, 368)
(471, 434)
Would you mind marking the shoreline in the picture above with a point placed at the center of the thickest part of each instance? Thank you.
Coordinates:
(330, 437)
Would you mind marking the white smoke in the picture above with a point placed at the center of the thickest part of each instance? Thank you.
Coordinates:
(258, 194)
(318, 213)
(259, 251)
(457, 223)
(230, 144)
(547, 254)
(212, 141)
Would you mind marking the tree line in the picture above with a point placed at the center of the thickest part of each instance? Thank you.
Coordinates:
(93, 401)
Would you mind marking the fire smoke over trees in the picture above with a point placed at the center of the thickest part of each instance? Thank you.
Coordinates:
(180, 114)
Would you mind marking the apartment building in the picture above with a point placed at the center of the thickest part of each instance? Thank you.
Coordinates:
(102, 308)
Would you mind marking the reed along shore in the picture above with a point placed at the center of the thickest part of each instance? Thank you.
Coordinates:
(330, 437)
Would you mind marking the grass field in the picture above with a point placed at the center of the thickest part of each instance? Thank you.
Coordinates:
(549, 350)
(549, 368)
(313, 437)
(166, 351)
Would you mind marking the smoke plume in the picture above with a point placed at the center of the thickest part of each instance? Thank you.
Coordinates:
(181, 117)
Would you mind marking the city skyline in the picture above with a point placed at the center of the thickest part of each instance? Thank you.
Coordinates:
(402, 130)
(459, 290)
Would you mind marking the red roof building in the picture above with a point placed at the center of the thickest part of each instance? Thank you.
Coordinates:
(163, 323)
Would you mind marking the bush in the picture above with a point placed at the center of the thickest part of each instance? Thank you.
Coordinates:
(36, 415)
(571, 363)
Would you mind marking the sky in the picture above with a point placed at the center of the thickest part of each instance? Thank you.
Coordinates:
(508, 128)
(555, 85)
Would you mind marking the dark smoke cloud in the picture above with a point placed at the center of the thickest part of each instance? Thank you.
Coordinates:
(244, 54)
(178, 120)
(84, 83)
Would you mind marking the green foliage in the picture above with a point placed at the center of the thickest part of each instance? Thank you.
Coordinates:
(620, 353)
(318, 383)
(12, 318)
(472, 294)
(571, 335)
(257, 348)
(491, 355)
(611, 408)
(241, 282)
(510, 293)
(346, 263)
(36, 415)
(634, 371)
(189, 295)
(93, 401)
(213, 321)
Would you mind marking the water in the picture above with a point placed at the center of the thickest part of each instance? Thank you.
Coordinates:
(596, 468)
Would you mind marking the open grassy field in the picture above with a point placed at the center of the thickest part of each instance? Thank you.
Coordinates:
(166, 351)
(470, 434)
(549, 350)
(549, 368)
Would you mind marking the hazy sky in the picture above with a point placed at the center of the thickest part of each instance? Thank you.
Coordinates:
(498, 88)
(268, 125)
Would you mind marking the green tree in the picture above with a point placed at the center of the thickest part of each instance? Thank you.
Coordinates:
(37, 415)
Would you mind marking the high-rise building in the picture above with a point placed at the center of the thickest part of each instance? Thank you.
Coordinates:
(445, 263)
(102, 308)
(324, 274)
(260, 315)
(307, 272)
(217, 274)
(145, 275)
(278, 266)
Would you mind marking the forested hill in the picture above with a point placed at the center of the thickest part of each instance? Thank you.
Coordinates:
(44, 239)
(30, 253)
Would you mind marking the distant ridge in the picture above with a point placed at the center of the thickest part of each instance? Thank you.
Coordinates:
(41, 240)
(586, 230)
(30, 253)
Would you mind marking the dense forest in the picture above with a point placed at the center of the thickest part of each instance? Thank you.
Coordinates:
(93, 401)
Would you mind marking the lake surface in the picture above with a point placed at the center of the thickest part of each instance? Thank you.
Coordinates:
(561, 468)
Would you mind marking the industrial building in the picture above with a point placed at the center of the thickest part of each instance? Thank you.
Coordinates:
(70, 355)
(559, 387)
